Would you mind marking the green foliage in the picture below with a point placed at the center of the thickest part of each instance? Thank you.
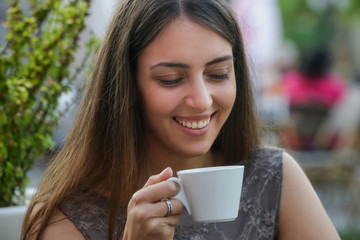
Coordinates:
(302, 25)
(34, 72)
(308, 27)
(350, 234)
(353, 10)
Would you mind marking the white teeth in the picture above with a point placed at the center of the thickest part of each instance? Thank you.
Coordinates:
(194, 124)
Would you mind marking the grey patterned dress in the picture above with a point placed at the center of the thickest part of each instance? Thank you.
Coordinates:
(258, 214)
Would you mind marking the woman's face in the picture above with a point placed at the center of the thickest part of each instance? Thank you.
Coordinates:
(187, 88)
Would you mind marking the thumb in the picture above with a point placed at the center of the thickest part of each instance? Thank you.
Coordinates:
(164, 175)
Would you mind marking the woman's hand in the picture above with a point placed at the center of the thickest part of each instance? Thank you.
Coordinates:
(146, 213)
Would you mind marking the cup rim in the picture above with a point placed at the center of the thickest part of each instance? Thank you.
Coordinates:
(210, 169)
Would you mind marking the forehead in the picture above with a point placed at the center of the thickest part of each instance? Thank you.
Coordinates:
(186, 41)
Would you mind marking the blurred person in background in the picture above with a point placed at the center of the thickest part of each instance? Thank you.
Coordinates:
(313, 91)
(344, 120)
(314, 83)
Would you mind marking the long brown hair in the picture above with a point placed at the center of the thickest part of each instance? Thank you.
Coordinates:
(105, 143)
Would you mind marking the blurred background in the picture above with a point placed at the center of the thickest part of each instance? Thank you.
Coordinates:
(305, 62)
(304, 57)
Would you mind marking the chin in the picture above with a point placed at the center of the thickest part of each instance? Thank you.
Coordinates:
(195, 153)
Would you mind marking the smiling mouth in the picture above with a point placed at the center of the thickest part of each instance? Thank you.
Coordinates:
(193, 124)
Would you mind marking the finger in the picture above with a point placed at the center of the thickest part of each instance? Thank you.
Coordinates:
(154, 193)
(148, 225)
(170, 221)
(161, 228)
(156, 210)
(176, 205)
(165, 174)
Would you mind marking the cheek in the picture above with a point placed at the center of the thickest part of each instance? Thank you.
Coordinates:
(226, 97)
(232, 92)
(155, 103)
(228, 102)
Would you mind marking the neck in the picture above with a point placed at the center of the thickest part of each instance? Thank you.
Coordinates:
(155, 162)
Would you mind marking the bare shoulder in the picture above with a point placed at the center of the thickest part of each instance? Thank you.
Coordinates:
(302, 215)
(61, 227)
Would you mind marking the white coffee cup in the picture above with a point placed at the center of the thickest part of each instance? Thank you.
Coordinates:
(210, 194)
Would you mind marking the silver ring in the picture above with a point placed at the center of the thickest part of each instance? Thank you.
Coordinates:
(168, 203)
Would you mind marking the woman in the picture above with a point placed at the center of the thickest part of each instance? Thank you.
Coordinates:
(170, 90)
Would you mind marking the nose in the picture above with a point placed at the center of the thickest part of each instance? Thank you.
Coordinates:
(199, 95)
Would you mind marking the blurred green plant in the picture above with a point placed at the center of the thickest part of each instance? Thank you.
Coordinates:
(312, 23)
(350, 234)
(34, 72)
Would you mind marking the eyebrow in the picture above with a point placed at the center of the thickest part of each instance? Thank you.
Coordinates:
(170, 64)
(220, 59)
(183, 65)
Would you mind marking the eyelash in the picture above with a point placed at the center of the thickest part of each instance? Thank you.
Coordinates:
(220, 77)
(171, 83)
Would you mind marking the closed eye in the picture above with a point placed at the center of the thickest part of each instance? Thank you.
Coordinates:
(170, 83)
(220, 76)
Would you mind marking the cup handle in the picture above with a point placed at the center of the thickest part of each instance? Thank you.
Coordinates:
(181, 194)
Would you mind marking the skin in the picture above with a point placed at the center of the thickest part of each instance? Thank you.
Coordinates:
(193, 96)
(180, 78)
(187, 75)
(302, 215)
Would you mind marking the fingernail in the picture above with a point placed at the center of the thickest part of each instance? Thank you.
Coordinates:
(164, 170)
